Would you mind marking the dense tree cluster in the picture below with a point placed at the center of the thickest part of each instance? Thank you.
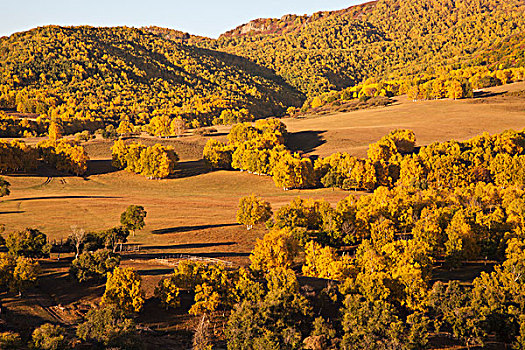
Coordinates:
(16, 156)
(109, 74)
(154, 162)
(340, 49)
(445, 82)
(260, 149)
(392, 161)
(94, 265)
(213, 287)
(64, 156)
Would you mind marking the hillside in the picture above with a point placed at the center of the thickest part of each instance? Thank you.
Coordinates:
(385, 39)
(116, 73)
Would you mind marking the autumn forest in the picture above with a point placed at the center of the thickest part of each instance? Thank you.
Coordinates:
(351, 179)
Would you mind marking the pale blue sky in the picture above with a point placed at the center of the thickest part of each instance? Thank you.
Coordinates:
(203, 17)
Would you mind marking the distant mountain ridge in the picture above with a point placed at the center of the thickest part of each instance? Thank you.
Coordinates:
(290, 22)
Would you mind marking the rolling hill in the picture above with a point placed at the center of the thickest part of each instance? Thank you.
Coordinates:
(384, 39)
(116, 73)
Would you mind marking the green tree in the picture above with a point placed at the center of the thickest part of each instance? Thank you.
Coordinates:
(24, 275)
(30, 243)
(133, 218)
(109, 326)
(94, 265)
(49, 337)
(253, 210)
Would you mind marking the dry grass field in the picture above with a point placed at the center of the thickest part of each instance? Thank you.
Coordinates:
(194, 212)
(492, 111)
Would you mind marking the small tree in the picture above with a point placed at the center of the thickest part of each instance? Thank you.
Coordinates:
(30, 243)
(108, 326)
(4, 187)
(123, 290)
(77, 237)
(55, 130)
(49, 337)
(125, 127)
(252, 211)
(133, 218)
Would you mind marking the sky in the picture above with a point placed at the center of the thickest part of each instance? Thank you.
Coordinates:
(201, 17)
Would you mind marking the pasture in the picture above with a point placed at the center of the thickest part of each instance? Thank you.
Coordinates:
(193, 213)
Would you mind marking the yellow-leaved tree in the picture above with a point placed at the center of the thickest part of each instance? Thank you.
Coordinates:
(253, 210)
(278, 248)
(123, 290)
(323, 262)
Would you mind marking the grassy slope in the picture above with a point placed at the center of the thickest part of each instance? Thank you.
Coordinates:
(197, 211)
(196, 199)
(431, 121)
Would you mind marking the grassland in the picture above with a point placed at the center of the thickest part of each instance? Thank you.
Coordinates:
(194, 212)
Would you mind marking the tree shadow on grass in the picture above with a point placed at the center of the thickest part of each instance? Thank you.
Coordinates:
(188, 228)
(190, 168)
(12, 212)
(484, 94)
(100, 167)
(182, 255)
(187, 246)
(305, 141)
(58, 197)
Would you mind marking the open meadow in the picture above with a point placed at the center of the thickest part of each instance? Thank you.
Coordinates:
(193, 213)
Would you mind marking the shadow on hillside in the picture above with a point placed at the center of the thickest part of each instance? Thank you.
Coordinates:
(305, 141)
(56, 197)
(190, 168)
(100, 167)
(187, 246)
(188, 228)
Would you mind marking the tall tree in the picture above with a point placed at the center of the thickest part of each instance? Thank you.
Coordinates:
(133, 218)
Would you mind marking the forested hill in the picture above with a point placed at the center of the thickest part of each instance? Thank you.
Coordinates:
(382, 39)
(116, 73)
